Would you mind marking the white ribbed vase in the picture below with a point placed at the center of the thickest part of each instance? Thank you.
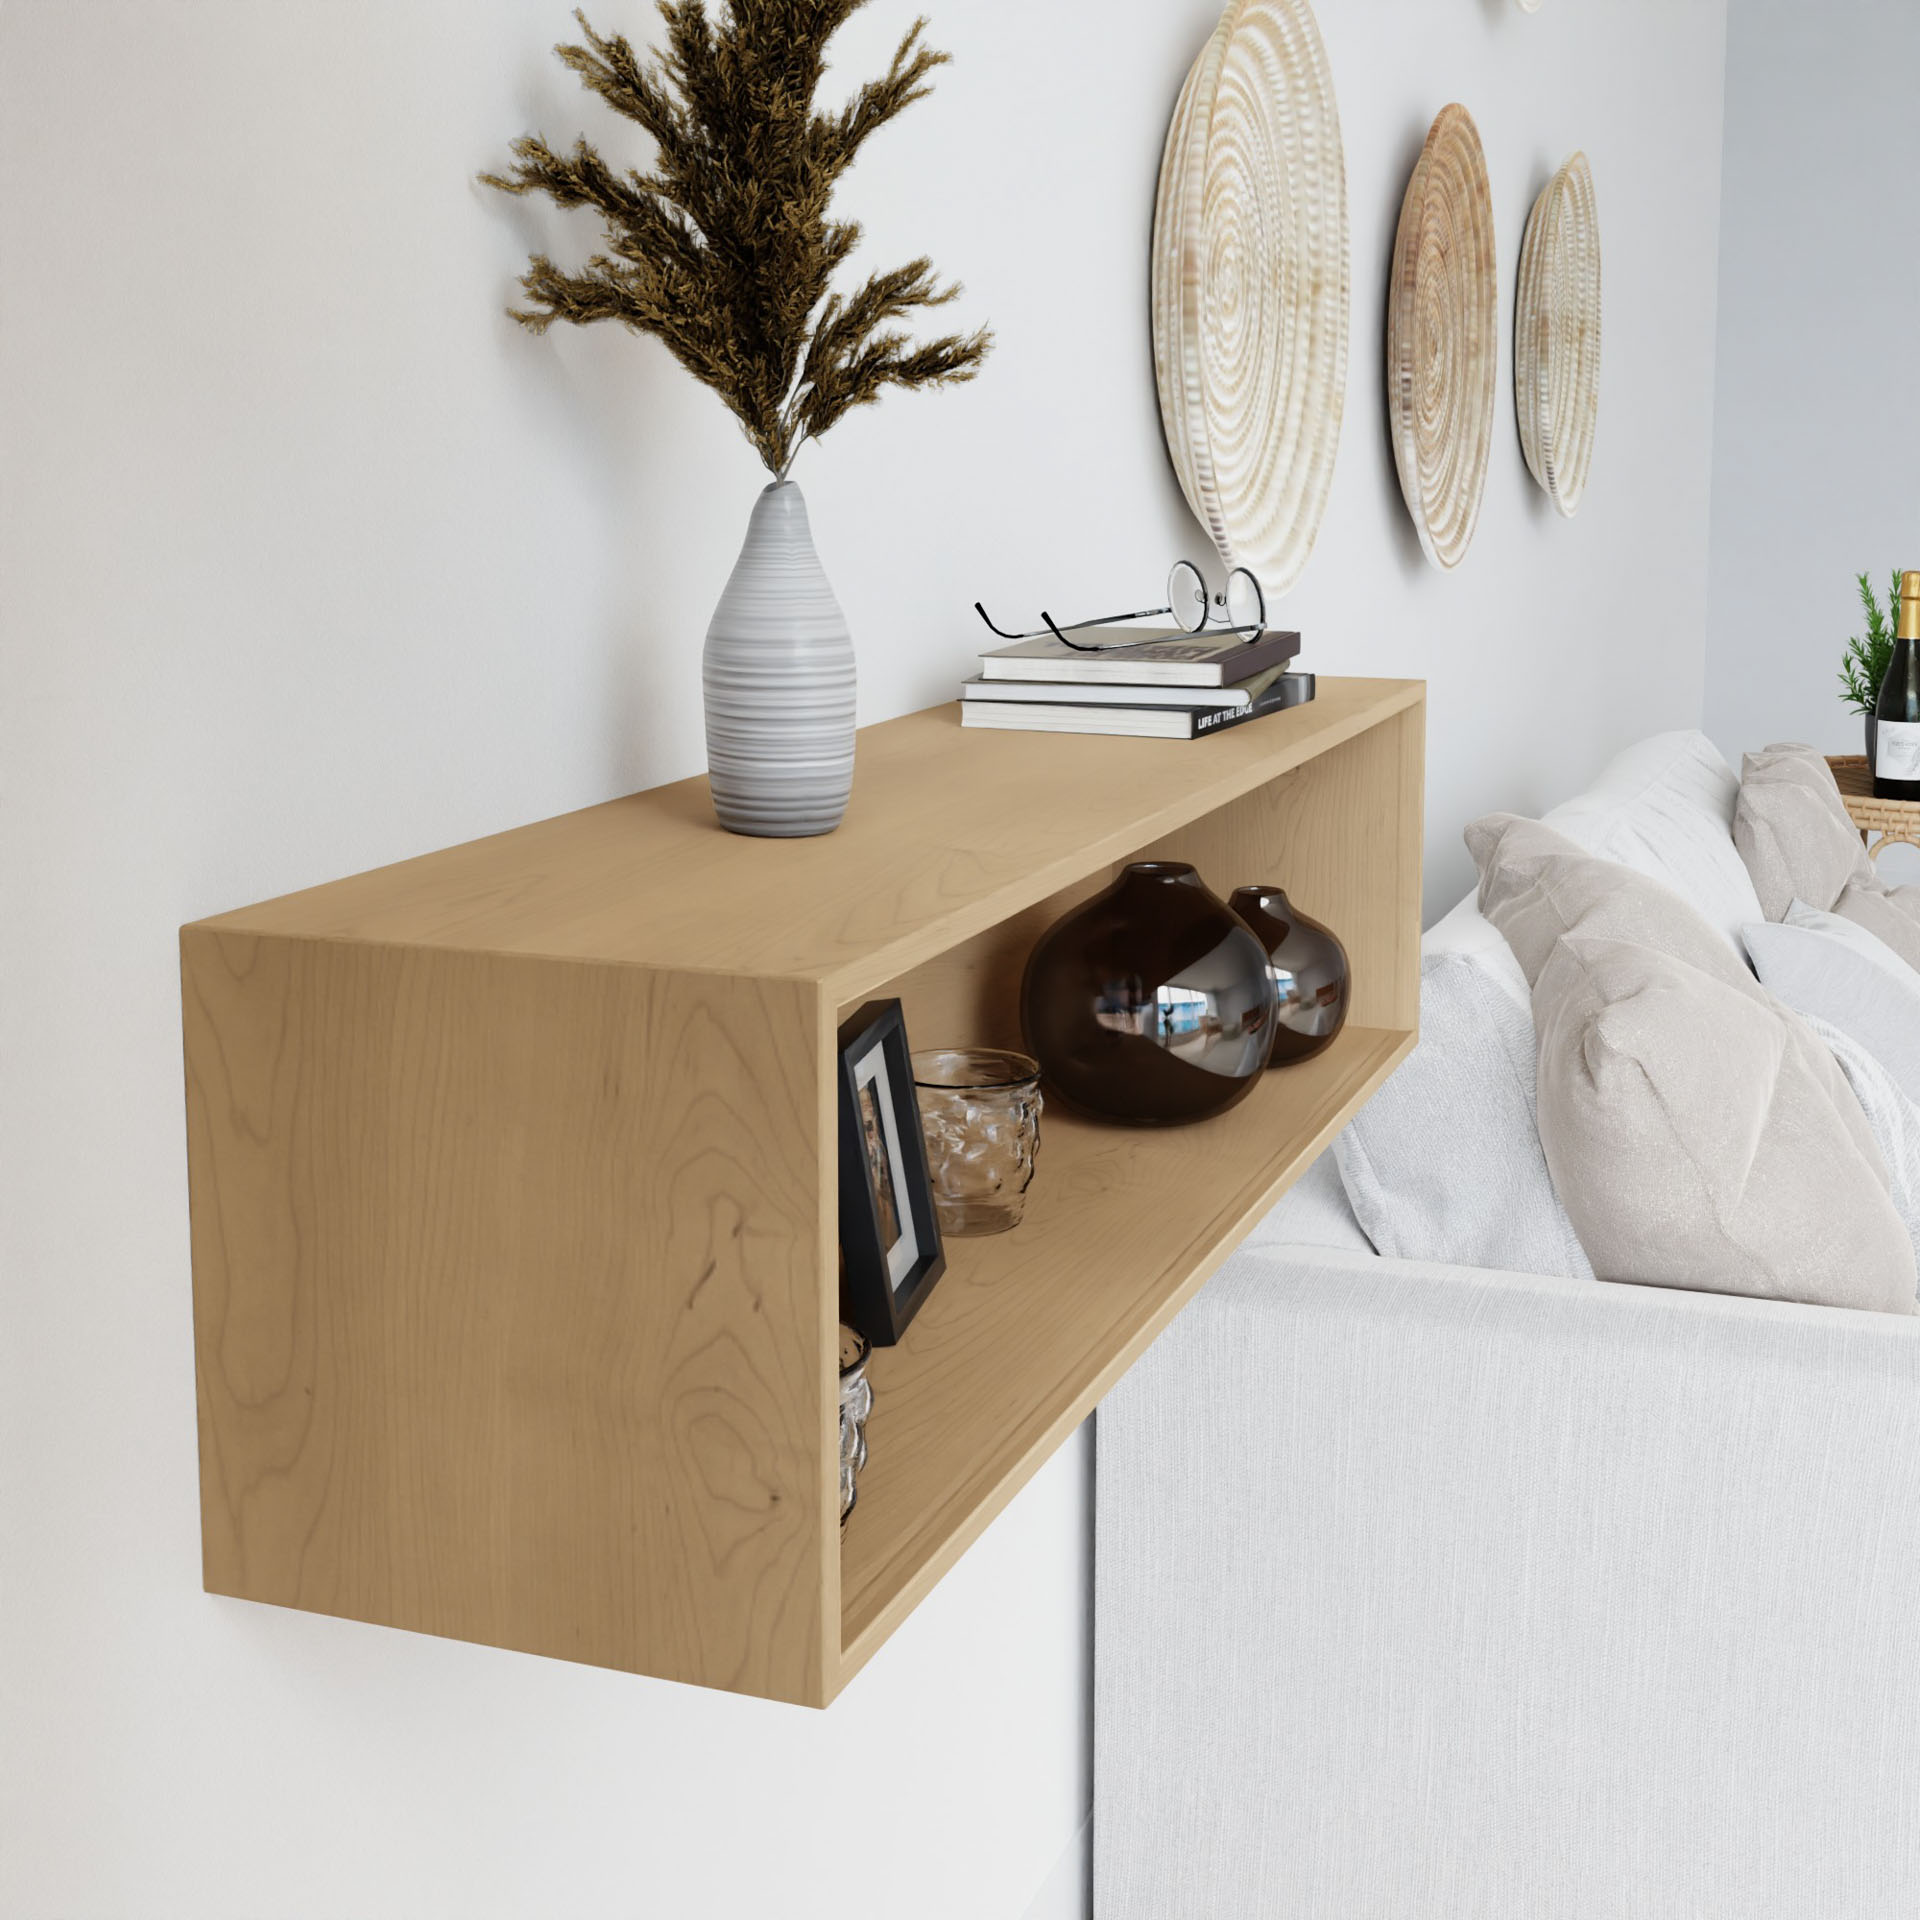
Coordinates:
(778, 676)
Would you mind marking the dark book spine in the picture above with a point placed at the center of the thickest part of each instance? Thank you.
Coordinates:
(1290, 690)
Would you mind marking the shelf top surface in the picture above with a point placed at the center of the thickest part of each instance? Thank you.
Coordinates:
(950, 831)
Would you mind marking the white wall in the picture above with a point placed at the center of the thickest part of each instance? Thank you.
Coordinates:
(309, 560)
(1819, 378)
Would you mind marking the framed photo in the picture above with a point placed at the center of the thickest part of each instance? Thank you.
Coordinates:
(890, 1253)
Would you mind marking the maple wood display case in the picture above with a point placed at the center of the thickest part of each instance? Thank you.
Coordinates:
(514, 1187)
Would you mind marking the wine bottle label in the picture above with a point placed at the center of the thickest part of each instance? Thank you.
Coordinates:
(1896, 750)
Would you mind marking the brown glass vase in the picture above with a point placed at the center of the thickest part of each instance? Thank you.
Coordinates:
(1151, 1005)
(1311, 978)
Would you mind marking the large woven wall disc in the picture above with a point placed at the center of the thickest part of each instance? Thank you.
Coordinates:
(1443, 346)
(1251, 279)
(1556, 335)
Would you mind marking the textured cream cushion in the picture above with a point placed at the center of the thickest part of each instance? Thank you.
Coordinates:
(1794, 833)
(1665, 808)
(1693, 1145)
(1536, 885)
(1697, 1133)
(1792, 830)
(1829, 968)
(1890, 914)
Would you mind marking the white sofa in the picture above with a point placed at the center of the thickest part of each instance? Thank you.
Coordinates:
(1428, 1590)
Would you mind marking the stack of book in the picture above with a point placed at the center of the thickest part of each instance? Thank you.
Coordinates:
(1168, 686)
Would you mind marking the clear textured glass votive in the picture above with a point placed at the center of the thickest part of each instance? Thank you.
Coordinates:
(980, 1111)
(856, 1402)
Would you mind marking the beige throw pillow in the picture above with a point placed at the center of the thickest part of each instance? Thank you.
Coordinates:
(1692, 1146)
(1697, 1133)
(1794, 833)
(1890, 914)
(1537, 885)
(1792, 829)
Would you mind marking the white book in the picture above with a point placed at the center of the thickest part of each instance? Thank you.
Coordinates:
(1282, 690)
(1152, 723)
(1094, 694)
(1211, 658)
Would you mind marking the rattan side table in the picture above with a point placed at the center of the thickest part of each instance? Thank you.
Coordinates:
(1895, 821)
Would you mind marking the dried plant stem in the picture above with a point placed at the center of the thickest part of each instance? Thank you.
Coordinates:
(724, 251)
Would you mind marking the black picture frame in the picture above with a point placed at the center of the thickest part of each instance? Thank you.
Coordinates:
(890, 1247)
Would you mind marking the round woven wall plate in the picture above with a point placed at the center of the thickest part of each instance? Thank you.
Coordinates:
(1556, 335)
(1251, 286)
(1443, 344)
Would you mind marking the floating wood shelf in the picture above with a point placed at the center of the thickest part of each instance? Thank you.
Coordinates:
(513, 1187)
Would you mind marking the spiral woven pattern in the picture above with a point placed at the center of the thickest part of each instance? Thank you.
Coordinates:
(1443, 347)
(1556, 335)
(1251, 285)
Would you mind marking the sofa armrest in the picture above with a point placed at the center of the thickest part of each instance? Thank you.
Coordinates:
(1426, 1590)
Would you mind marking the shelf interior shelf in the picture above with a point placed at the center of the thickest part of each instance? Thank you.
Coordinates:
(1028, 1329)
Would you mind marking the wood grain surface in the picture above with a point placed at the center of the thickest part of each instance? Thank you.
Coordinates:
(1027, 1330)
(514, 1196)
(950, 832)
(507, 1310)
(1344, 835)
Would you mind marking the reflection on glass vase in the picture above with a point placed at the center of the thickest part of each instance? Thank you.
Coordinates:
(1152, 1004)
(856, 1402)
(1310, 976)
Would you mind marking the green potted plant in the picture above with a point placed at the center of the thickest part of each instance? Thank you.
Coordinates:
(724, 251)
(1864, 664)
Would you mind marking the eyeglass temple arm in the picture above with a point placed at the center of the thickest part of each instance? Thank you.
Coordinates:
(1060, 633)
(1248, 635)
(1074, 626)
(1001, 631)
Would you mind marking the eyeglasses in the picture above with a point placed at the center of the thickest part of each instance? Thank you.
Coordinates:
(1240, 607)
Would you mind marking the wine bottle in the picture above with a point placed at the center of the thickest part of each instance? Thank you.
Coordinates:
(1896, 713)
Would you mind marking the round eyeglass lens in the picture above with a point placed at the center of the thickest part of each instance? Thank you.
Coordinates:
(1187, 596)
(1246, 604)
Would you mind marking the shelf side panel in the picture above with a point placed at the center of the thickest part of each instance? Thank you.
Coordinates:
(969, 996)
(1343, 835)
(507, 1303)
